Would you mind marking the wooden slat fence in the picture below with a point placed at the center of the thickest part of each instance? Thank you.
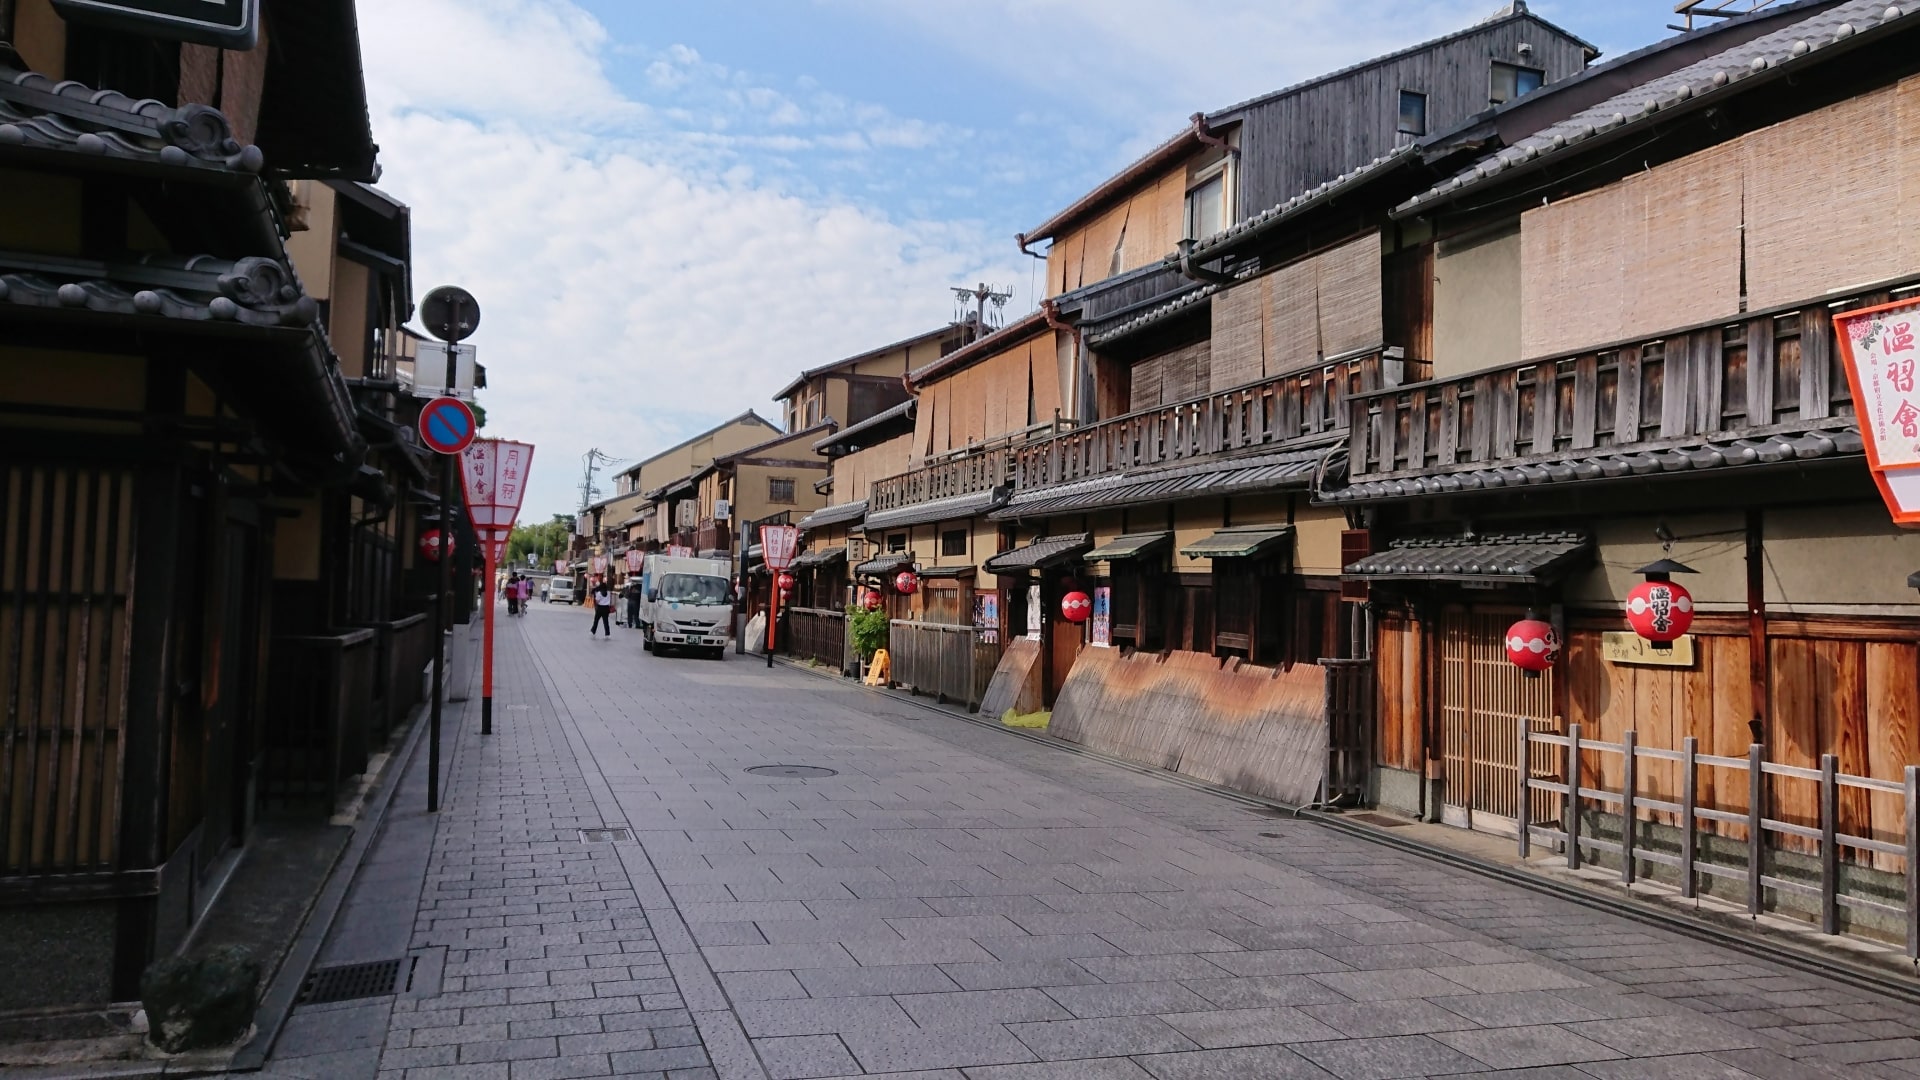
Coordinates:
(1555, 765)
(818, 634)
(320, 739)
(66, 599)
(946, 661)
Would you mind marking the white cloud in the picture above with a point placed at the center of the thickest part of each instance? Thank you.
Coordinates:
(639, 282)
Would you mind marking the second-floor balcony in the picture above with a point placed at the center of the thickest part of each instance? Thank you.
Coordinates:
(1762, 388)
(1279, 414)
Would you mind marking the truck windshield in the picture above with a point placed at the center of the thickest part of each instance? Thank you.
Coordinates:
(693, 589)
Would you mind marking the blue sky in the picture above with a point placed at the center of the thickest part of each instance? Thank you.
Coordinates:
(667, 209)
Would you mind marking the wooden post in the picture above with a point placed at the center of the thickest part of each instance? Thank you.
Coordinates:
(1573, 796)
(1756, 836)
(1627, 783)
(1689, 751)
(1757, 660)
(1526, 786)
(1913, 862)
(1829, 844)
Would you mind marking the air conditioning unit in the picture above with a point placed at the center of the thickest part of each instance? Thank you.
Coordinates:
(722, 510)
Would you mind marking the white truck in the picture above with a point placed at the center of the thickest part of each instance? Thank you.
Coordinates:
(559, 589)
(686, 603)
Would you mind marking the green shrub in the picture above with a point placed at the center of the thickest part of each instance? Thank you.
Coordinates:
(869, 629)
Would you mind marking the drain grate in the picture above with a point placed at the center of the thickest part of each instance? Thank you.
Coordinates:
(1381, 820)
(350, 982)
(604, 836)
(794, 772)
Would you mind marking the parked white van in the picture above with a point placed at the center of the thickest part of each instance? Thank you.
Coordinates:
(560, 589)
(686, 603)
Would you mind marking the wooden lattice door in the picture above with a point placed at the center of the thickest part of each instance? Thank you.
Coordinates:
(1484, 701)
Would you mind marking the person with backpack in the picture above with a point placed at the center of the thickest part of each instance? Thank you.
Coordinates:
(602, 607)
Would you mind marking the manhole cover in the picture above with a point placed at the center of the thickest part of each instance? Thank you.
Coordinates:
(1381, 820)
(604, 836)
(794, 772)
(350, 982)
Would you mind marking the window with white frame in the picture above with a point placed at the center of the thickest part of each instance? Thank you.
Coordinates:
(1210, 200)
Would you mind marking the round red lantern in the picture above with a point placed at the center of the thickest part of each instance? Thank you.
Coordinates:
(871, 600)
(785, 581)
(1076, 607)
(1532, 645)
(906, 583)
(432, 543)
(1660, 611)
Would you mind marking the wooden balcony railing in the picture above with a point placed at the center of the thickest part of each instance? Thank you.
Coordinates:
(971, 472)
(1274, 410)
(1759, 374)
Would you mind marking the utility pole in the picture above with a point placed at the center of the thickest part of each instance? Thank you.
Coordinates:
(980, 296)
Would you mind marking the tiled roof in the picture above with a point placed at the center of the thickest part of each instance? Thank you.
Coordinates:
(1529, 558)
(1271, 471)
(37, 113)
(901, 411)
(951, 508)
(1698, 85)
(255, 291)
(1040, 554)
(1238, 542)
(1153, 316)
(884, 564)
(1591, 465)
(834, 515)
(1130, 546)
(820, 558)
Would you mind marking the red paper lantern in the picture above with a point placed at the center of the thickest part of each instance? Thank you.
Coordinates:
(432, 543)
(1076, 607)
(1660, 611)
(906, 583)
(872, 600)
(1532, 645)
(785, 581)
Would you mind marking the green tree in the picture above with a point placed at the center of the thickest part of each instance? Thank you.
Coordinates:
(546, 541)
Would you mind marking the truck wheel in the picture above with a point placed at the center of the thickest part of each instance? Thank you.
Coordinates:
(720, 653)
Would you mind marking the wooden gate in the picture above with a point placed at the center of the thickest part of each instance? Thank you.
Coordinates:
(1484, 700)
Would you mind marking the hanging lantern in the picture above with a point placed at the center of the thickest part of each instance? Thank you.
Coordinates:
(785, 581)
(872, 600)
(1076, 607)
(906, 583)
(1532, 645)
(1659, 609)
(432, 543)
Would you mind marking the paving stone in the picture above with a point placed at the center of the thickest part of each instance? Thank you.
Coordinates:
(980, 1008)
(1109, 1036)
(1387, 1058)
(902, 979)
(889, 1052)
(1262, 990)
(1375, 1019)
(1524, 1047)
(1213, 1029)
(1127, 999)
(1264, 1062)
(1006, 976)
(804, 1056)
(819, 1016)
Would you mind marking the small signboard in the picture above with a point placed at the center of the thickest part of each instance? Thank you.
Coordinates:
(1102, 618)
(633, 560)
(493, 475)
(679, 551)
(446, 425)
(1879, 346)
(227, 24)
(778, 545)
(1034, 614)
(1627, 647)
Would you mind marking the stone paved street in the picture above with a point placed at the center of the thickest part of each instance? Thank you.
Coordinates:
(959, 903)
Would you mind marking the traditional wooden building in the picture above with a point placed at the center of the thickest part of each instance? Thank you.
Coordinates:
(208, 495)
(853, 389)
(1644, 368)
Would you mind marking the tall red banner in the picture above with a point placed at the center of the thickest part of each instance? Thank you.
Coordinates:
(493, 475)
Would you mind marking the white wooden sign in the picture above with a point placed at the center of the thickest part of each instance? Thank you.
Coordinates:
(1880, 348)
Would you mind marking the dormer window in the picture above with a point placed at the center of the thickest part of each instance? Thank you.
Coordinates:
(1511, 81)
(1209, 200)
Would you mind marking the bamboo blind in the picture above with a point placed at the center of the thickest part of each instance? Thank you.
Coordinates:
(1185, 374)
(1823, 195)
(1237, 347)
(1145, 388)
(1293, 298)
(969, 423)
(1096, 259)
(994, 394)
(1349, 295)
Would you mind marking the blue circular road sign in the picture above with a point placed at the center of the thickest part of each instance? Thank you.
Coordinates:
(446, 425)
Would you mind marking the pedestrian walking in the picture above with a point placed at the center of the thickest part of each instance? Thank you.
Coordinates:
(513, 594)
(526, 593)
(633, 603)
(602, 608)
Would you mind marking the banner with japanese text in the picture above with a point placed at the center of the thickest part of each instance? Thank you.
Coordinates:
(493, 477)
(1878, 348)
